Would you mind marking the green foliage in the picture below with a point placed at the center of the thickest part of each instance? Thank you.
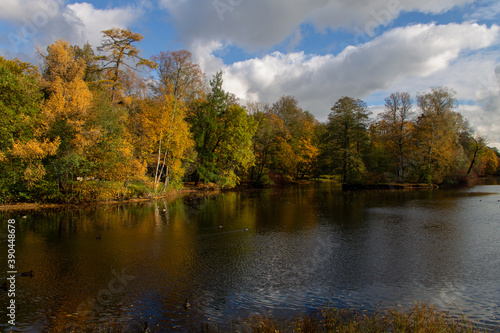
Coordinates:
(88, 128)
(347, 138)
(223, 137)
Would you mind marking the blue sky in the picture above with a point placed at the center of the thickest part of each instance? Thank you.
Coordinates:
(316, 50)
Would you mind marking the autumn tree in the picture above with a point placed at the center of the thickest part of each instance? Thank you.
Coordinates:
(296, 152)
(111, 154)
(487, 163)
(23, 141)
(438, 127)
(119, 49)
(222, 132)
(265, 143)
(178, 75)
(93, 71)
(67, 106)
(347, 135)
(166, 139)
(395, 126)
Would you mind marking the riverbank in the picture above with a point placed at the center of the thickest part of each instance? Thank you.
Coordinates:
(137, 194)
(140, 193)
(172, 195)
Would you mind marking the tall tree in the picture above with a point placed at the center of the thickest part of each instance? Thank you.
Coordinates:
(93, 70)
(347, 135)
(179, 75)
(437, 133)
(166, 140)
(222, 132)
(396, 125)
(23, 141)
(67, 107)
(118, 47)
(297, 150)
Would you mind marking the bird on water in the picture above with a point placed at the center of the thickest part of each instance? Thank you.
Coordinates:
(187, 305)
(30, 273)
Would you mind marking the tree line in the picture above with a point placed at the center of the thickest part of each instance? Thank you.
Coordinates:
(88, 120)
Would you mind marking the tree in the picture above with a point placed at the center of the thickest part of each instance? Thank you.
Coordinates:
(487, 164)
(66, 108)
(93, 70)
(23, 141)
(178, 75)
(297, 152)
(118, 48)
(347, 135)
(180, 81)
(111, 154)
(265, 142)
(166, 138)
(222, 132)
(395, 125)
(476, 145)
(438, 127)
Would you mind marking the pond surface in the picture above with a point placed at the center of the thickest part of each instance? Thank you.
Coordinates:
(305, 247)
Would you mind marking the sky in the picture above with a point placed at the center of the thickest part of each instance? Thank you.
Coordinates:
(316, 50)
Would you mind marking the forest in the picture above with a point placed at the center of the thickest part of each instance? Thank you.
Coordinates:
(103, 123)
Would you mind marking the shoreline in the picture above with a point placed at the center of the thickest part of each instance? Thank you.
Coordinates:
(200, 190)
(41, 206)
(189, 188)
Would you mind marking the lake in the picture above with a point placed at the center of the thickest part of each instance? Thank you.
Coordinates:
(305, 247)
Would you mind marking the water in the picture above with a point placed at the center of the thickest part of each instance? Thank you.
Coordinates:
(305, 247)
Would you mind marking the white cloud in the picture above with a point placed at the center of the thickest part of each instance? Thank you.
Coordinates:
(42, 22)
(261, 24)
(22, 10)
(92, 21)
(490, 11)
(399, 55)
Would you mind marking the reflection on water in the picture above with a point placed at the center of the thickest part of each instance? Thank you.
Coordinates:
(304, 247)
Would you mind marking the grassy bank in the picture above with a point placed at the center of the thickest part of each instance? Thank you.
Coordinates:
(421, 318)
(95, 193)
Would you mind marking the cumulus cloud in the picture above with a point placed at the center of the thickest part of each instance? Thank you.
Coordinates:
(42, 22)
(418, 51)
(91, 21)
(21, 10)
(261, 24)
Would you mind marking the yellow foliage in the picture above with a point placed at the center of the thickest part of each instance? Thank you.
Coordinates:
(69, 99)
(166, 134)
(32, 152)
(33, 149)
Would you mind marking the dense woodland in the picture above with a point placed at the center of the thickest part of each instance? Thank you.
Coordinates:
(103, 123)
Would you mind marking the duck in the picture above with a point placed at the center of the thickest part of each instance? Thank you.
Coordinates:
(246, 229)
(98, 237)
(30, 273)
(187, 305)
(221, 226)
